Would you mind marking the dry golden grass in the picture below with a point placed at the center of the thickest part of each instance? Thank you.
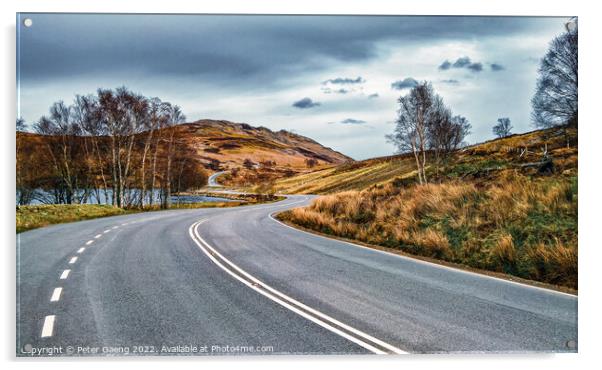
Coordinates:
(515, 224)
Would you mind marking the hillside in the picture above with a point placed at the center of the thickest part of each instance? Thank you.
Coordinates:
(500, 206)
(231, 143)
(520, 152)
(253, 154)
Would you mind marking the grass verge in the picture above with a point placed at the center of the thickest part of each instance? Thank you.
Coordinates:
(36, 216)
(513, 224)
(284, 219)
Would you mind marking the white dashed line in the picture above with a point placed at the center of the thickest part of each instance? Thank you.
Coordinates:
(48, 326)
(56, 295)
(97, 236)
(115, 227)
(81, 250)
(106, 231)
(125, 224)
(89, 242)
(65, 274)
(72, 261)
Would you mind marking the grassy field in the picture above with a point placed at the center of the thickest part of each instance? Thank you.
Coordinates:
(488, 208)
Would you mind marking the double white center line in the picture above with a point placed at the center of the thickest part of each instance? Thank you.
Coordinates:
(356, 336)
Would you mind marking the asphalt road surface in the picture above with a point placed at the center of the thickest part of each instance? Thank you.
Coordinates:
(236, 281)
(212, 180)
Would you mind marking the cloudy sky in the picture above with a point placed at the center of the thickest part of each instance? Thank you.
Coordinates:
(332, 78)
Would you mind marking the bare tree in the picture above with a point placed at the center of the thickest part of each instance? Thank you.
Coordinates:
(123, 115)
(176, 117)
(555, 99)
(446, 133)
(24, 191)
(156, 120)
(137, 121)
(60, 148)
(416, 110)
(21, 125)
(503, 127)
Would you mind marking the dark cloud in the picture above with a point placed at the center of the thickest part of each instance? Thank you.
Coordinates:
(406, 83)
(305, 103)
(496, 67)
(344, 81)
(227, 50)
(445, 65)
(461, 62)
(451, 82)
(352, 121)
(475, 67)
(373, 96)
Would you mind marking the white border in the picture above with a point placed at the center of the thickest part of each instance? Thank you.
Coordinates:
(589, 241)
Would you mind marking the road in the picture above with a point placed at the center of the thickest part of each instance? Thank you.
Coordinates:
(212, 181)
(235, 280)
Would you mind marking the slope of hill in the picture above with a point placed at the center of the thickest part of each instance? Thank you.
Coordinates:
(521, 152)
(232, 143)
(508, 206)
(254, 154)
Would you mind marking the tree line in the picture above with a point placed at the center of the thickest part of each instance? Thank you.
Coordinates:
(115, 147)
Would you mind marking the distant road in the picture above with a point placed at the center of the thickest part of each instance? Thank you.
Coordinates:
(237, 277)
(212, 181)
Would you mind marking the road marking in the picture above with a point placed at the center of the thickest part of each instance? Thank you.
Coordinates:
(65, 274)
(106, 231)
(356, 336)
(115, 227)
(48, 326)
(408, 258)
(124, 224)
(56, 294)
(81, 250)
(97, 236)
(72, 261)
(89, 242)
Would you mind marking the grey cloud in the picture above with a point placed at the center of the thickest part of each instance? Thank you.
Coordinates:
(227, 50)
(344, 81)
(352, 121)
(406, 83)
(373, 96)
(462, 62)
(305, 103)
(475, 67)
(496, 67)
(445, 65)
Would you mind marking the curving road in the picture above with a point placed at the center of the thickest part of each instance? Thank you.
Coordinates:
(212, 180)
(236, 281)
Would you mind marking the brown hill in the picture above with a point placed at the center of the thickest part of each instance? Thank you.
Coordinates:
(229, 144)
(252, 155)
